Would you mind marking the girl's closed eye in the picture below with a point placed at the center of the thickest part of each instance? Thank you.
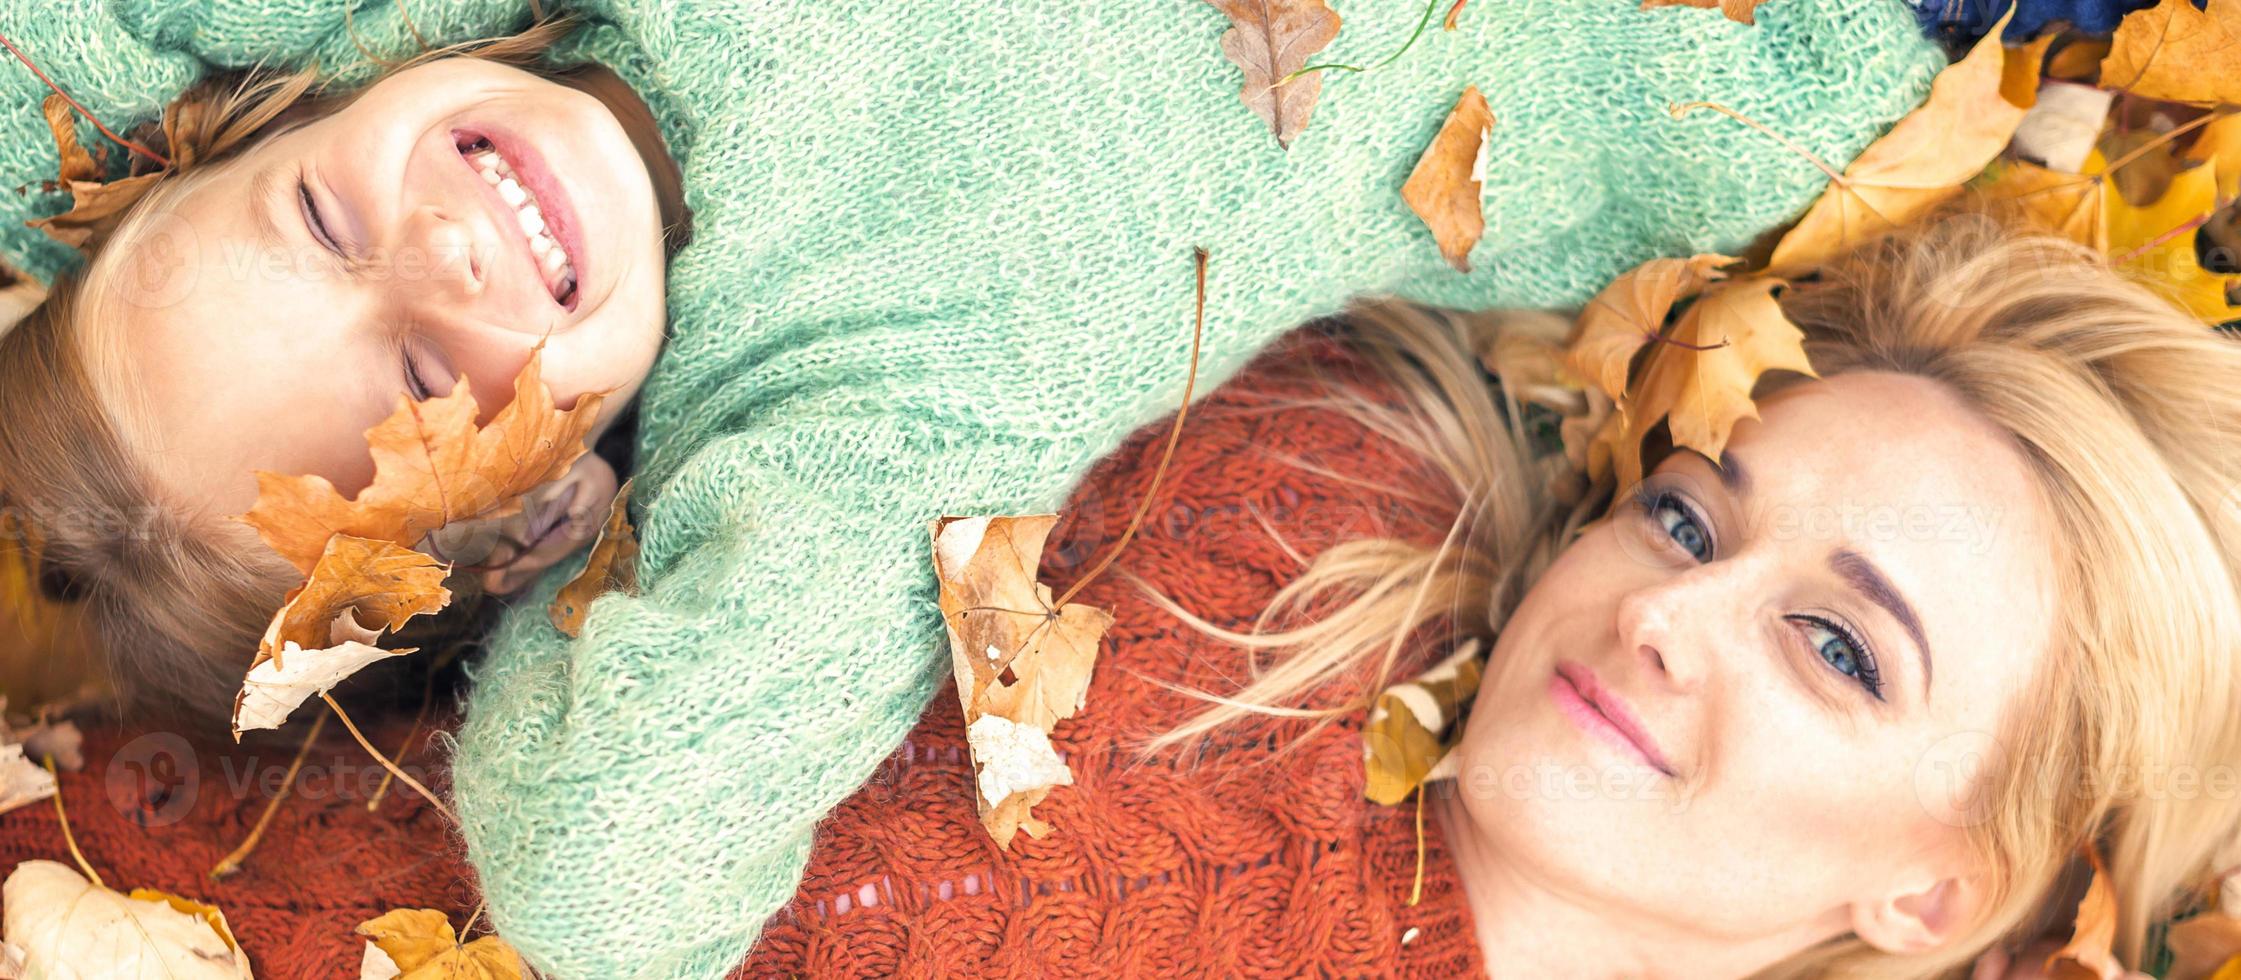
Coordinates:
(1835, 643)
(317, 222)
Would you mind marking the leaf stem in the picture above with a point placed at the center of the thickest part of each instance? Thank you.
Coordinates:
(1411, 42)
(119, 140)
(1174, 435)
(232, 862)
(1684, 108)
(401, 775)
(62, 816)
(427, 691)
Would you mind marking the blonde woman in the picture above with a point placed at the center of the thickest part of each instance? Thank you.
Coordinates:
(1848, 702)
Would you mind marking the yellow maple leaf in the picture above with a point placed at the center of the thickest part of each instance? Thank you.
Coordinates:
(2156, 243)
(1973, 109)
(1700, 383)
(420, 945)
(432, 466)
(2174, 52)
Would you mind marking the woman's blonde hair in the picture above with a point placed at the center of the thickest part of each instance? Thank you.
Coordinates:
(2128, 413)
(177, 608)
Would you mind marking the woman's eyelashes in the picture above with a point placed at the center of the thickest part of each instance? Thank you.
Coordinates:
(1836, 644)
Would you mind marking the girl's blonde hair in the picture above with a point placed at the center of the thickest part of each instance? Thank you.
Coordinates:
(177, 607)
(2126, 410)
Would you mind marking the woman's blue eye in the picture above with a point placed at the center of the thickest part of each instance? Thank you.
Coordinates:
(1844, 651)
(1678, 523)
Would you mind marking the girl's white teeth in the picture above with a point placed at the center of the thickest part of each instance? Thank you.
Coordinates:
(552, 260)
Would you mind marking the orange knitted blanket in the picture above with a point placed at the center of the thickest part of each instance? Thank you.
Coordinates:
(1243, 864)
(1249, 866)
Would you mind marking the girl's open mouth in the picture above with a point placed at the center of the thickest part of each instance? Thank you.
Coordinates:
(539, 208)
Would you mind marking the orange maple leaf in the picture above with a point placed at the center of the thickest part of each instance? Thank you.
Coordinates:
(432, 466)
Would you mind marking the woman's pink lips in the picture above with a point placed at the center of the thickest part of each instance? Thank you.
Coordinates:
(1596, 711)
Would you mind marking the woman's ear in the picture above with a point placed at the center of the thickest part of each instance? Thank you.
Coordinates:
(1919, 914)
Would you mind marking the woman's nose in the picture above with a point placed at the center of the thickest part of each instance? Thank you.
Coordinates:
(1671, 625)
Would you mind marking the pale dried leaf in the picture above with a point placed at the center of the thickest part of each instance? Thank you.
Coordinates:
(22, 781)
(272, 691)
(376, 965)
(1001, 622)
(69, 927)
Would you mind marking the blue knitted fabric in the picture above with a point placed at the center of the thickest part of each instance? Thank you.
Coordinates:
(943, 263)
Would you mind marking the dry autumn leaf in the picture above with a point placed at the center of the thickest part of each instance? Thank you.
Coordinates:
(1924, 160)
(76, 163)
(1448, 23)
(2157, 241)
(1021, 665)
(2087, 956)
(68, 926)
(1740, 11)
(432, 466)
(382, 583)
(420, 945)
(1444, 188)
(2177, 53)
(275, 687)
(613, 567)
(1269, 41)
(1700, 383)
(1630, 311)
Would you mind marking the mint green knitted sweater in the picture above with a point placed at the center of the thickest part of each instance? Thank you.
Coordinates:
(943, 263)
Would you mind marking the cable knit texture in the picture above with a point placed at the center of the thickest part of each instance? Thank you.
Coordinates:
(1227, 860)
(942, 266)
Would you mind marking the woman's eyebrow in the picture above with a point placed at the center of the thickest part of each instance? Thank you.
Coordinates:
(1869, 581)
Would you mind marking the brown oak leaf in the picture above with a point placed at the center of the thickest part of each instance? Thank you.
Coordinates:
(1272, 39)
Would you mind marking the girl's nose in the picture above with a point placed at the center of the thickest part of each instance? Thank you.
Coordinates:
(454, 267)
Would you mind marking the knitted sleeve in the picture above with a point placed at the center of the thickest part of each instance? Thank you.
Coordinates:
(943, 265)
